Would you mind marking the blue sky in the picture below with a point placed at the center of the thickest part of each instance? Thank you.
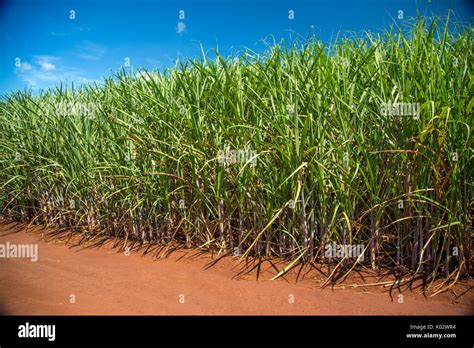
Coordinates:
(43, 43)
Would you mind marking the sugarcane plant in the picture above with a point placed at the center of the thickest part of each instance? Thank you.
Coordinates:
(362, 141)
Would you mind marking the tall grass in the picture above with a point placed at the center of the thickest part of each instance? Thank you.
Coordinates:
(330, 166)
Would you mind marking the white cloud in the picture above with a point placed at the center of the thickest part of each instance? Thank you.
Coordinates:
(25, 66)
(43, 73)
(181, 28)
(47, 66)
(45, 62)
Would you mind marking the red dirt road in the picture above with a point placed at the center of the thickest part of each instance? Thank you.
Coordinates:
(105, 281)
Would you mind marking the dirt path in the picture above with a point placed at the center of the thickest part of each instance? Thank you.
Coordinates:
(104, 281)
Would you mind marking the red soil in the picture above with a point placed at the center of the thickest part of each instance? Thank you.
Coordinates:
(106, 281)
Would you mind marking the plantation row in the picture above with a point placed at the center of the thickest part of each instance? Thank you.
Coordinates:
(363, 142)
